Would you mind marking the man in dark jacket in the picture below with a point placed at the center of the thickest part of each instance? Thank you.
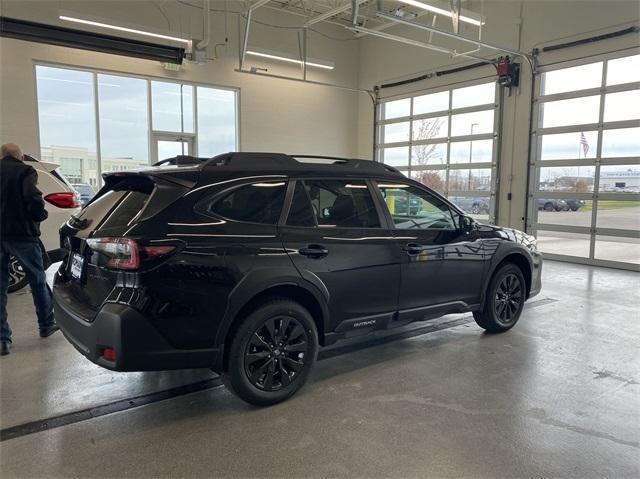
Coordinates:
(21, 211)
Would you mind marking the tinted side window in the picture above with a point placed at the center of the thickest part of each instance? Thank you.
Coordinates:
(342, 204)
(301, 212)
(412, 208)
(255, 203)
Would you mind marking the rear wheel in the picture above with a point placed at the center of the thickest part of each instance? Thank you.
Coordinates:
(504, 300)
(17, 275)
(549, 207)
(271, 353)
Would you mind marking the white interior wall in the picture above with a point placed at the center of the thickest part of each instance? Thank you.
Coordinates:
(520, 25)
(275, 115)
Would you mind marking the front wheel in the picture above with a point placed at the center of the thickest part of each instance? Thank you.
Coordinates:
(504, 301)
(271, 353)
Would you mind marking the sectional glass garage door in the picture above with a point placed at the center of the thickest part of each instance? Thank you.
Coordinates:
(584, 202)
(446, 139)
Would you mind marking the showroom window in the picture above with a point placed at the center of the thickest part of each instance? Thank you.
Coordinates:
(584, 202)
(93, 122)
(446, 140)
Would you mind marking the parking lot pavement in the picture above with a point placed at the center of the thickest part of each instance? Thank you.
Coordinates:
(621, 218)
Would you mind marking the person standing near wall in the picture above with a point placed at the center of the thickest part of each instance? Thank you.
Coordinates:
(21, 211)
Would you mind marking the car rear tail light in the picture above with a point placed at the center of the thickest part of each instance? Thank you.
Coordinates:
(109, 354)
(123, 253)
(66, 199)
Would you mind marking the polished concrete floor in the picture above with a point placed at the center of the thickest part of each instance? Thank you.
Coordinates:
(558, 396)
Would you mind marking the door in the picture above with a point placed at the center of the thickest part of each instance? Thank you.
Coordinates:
(441, 265)
(334, 233)
(168, 146)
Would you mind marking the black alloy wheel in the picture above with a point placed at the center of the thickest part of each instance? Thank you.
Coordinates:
(271, 352)
(276, 353)
(504, 300)
(508, 299)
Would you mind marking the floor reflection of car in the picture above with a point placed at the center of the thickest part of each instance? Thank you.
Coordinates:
(552, 204)
(85, 191)
(475, 206)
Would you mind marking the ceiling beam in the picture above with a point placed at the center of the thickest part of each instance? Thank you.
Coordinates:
(332, 13)
(415, 43)
(455, 36)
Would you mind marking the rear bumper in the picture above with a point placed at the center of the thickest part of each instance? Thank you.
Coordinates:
(137, 344)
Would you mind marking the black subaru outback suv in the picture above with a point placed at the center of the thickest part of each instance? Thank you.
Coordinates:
(247, 263)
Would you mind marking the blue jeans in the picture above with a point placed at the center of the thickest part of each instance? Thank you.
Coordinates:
(30, 256)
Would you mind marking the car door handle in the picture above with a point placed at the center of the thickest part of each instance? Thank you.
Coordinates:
(314, 251)
(412, 249)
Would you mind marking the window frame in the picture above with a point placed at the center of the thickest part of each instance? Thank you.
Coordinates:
(536, 164)
(151, 132)
(293, 181)
(452, 207)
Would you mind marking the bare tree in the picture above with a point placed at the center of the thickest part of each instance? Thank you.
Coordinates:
(425, 154)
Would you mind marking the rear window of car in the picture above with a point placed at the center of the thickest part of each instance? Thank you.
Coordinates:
(259, 202)
(118, 204)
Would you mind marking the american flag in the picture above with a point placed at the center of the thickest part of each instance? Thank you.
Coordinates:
(584, 143)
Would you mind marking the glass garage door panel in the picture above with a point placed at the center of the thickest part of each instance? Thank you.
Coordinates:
(478, 151)
(618, 249)
(397, 109)
(574, 179)
(428, 154)
(576, 111)
(585, 183)
(398, 156)
(622, 142)
(446, 140)
(567, 146)
(434, 179)
(396, 132)
(564, 243)
(430, 128)
(619, 214)
(564, 211)
(571, 79)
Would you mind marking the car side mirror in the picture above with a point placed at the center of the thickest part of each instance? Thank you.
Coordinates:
(466, 223)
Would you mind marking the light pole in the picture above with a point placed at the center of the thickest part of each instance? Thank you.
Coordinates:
(471, 151)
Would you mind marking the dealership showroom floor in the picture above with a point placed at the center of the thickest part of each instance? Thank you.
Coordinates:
(517, 121)
(556, 396)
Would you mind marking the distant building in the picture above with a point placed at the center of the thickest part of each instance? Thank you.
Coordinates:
(79, 165)
(620, 180)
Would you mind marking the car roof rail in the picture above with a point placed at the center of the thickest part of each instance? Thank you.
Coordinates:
(294, 162)
(181, 160)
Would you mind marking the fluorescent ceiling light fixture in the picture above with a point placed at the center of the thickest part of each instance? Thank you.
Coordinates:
(442, 11)
(289, 60)
(123, 29)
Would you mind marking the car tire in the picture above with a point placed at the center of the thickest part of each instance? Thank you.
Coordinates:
(575, 208)
(549, 207)
(275, 341)
(504, 300)
(17, 276)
